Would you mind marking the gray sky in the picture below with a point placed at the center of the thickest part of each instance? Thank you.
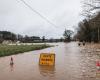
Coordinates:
(18, 18)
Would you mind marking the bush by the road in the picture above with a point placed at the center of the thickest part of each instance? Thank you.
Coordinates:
(6, 50)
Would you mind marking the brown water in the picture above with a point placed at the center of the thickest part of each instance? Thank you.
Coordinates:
(71, 64)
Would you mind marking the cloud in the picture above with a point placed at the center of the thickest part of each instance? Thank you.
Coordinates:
(18, 18)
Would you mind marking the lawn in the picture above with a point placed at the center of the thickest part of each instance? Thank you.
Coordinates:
(6, 50)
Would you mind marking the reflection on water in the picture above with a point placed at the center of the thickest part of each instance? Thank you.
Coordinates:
(12, 67)
(47, 70)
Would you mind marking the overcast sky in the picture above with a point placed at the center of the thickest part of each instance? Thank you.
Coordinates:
(16, 17)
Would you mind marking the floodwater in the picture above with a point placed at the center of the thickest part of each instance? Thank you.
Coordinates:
(71, 63)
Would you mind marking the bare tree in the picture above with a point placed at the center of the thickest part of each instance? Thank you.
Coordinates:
(67, 35)
(90, 7)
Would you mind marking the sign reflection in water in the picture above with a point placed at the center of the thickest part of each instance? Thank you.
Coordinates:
(47, 70)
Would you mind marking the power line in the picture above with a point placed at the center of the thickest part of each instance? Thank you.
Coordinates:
(33, 10)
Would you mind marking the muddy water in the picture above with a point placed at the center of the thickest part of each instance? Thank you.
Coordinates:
(72, 63)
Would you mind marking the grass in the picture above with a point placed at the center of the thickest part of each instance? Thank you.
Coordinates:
(6, 50)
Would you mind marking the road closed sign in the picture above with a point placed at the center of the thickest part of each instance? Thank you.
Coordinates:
(47, 59)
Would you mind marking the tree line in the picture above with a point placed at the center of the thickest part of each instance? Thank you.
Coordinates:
(89, 29)
(9, 36)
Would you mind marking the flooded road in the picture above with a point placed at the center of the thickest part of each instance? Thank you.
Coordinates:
(71, 63)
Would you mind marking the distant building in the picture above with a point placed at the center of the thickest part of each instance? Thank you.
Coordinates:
(35, 38)
(32, 39)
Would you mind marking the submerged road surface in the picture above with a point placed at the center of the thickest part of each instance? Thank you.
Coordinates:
(70, 64)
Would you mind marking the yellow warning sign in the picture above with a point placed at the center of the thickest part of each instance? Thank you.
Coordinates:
(47, 59)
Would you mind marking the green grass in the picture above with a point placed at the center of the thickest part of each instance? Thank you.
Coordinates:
(6, 50)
